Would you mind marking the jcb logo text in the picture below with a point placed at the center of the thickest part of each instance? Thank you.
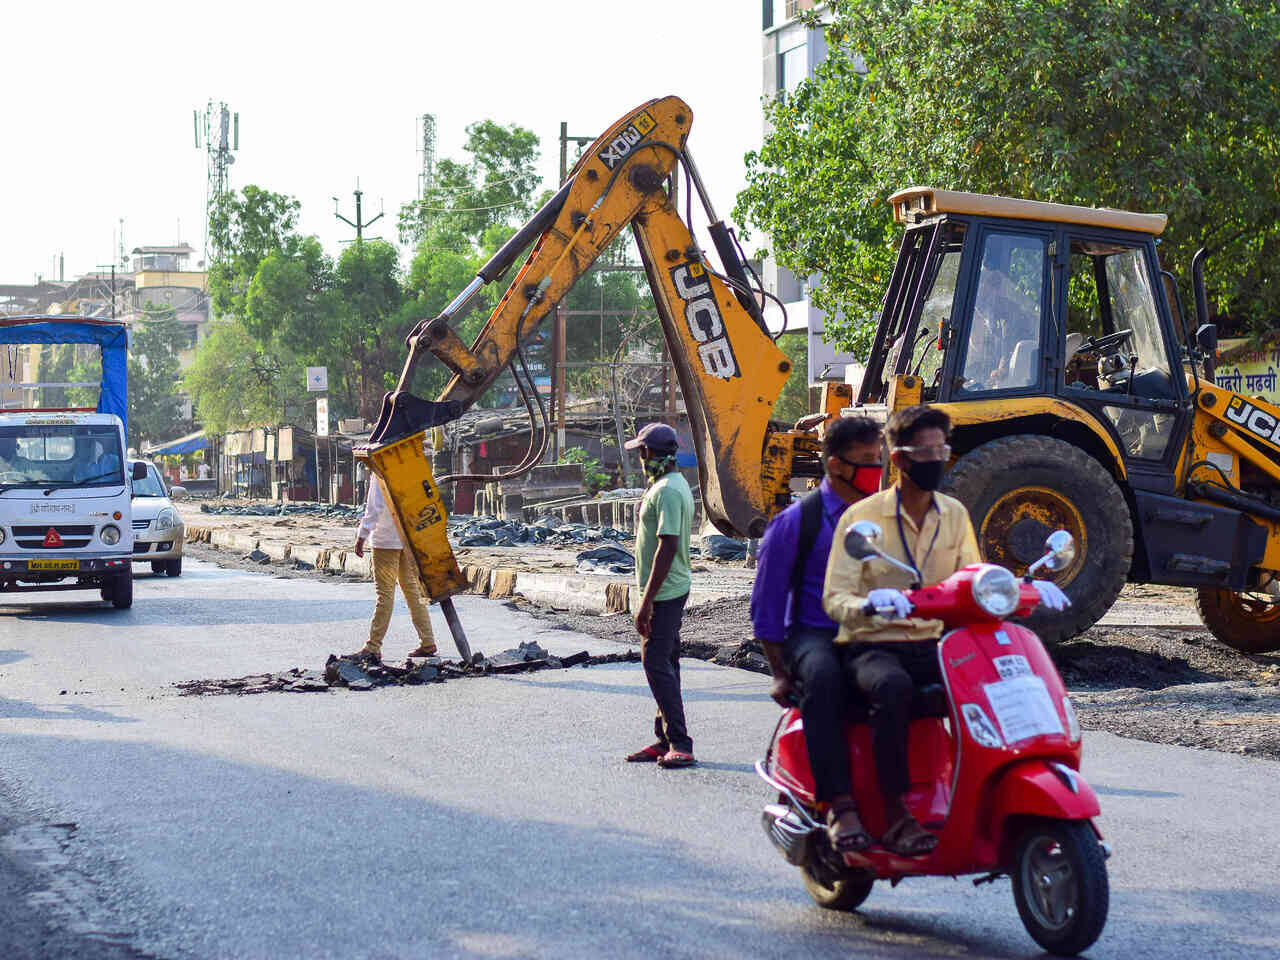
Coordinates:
(705, 323)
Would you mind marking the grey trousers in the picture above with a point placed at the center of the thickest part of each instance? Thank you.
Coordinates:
(660, 656)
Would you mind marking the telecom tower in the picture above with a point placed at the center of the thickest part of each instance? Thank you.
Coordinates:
(427, 176)
(219, 130)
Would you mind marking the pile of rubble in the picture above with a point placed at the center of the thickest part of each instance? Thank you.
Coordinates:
(471, 531)
(320, 511)
(345, 672)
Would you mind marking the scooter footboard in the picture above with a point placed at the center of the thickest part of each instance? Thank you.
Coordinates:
(1042, 788)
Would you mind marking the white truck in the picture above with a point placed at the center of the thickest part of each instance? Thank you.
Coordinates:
(66, 521)
(66, 518)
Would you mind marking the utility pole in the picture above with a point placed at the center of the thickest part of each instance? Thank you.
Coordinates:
(360, 223)
(558, 352)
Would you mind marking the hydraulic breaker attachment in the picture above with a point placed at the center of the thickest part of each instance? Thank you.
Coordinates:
(404, 470)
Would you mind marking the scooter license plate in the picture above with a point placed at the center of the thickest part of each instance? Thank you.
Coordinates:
(1023, 708)
(54, 565)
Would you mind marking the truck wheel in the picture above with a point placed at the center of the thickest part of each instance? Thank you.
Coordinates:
(1020, 489)
(1248, 622)
(122, 591)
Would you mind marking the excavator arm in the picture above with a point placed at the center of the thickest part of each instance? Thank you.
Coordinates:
(730, 370)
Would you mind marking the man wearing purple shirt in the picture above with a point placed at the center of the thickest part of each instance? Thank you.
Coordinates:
(797, 635)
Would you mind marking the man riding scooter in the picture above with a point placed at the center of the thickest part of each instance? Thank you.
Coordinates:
(932, 534)
(797, 635)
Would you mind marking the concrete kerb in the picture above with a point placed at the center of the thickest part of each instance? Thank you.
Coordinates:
(593, 595)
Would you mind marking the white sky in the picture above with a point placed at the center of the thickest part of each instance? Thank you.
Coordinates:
(97, 102)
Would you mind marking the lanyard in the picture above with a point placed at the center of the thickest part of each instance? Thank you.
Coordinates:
(907, 547)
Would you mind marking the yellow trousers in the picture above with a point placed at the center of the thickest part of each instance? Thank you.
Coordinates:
(390, 566)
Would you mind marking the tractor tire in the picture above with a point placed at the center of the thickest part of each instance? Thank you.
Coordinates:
(1246, 622)
(1020, 489)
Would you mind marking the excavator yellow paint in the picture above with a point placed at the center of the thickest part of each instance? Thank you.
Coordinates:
(405, 471)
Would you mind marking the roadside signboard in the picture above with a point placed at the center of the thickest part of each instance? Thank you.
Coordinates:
(322, 416)
(317, 379)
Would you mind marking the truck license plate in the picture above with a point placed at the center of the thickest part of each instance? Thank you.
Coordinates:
(54, 565)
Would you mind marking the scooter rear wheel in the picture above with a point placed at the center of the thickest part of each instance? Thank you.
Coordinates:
(831, 891)
(1060, 885)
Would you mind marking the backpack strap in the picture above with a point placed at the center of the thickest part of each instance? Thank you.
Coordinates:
(810, 524)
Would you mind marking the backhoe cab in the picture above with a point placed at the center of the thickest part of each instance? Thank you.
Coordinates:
(1082, 401)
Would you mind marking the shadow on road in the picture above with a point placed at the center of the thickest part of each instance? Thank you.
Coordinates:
(26, 710)
(187, 612)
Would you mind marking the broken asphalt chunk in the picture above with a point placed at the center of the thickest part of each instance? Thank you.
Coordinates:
(575, 658)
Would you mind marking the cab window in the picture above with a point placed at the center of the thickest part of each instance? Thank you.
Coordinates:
(1114, 342)
(1004, 346)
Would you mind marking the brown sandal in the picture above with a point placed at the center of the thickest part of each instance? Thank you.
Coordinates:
(908, 839)
(846, 841)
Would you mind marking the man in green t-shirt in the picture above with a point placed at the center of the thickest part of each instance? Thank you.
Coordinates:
(663, 576)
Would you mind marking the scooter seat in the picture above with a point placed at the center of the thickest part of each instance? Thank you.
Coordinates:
(927, 701)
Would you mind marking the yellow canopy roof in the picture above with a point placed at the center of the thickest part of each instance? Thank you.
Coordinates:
(927, 201)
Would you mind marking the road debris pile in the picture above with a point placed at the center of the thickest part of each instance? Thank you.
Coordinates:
(319, 511)
(471, 531)
(345, 672)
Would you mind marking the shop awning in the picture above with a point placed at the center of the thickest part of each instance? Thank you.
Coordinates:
(188, 444)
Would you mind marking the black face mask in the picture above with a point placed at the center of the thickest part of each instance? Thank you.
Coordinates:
(927, 475)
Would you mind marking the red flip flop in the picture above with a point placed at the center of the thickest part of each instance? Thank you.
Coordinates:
(676, 758)
(650, 754)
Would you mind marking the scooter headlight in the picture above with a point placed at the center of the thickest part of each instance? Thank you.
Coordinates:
(995, 590)
(981, 729)
(1073, 722)
(110, 535)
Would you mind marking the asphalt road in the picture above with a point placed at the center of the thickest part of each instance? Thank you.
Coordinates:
(492, 817)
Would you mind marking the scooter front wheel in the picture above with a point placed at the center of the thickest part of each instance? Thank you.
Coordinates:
(1060, 885)
(831, 891)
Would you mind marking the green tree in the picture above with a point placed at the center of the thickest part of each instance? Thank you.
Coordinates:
(1149, 105)
(496, 185)
(236, 382)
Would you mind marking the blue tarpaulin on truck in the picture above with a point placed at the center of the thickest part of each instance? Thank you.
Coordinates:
(110, 336)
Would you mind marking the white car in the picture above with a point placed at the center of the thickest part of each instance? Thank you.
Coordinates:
(158, 530)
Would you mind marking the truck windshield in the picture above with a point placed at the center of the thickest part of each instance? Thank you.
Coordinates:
(60, 455)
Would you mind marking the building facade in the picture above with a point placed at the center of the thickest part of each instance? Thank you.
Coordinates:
(792, 52)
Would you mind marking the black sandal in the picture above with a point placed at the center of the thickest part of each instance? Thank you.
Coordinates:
(846, 841)
(908, 839)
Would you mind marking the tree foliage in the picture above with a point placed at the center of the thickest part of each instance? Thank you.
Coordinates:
(1149, 105)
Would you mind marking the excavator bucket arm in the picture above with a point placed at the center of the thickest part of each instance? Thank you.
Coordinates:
(729, 368)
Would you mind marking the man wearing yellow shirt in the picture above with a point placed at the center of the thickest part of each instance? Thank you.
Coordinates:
(889, 656)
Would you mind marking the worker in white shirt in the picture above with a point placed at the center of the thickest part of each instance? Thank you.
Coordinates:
(392, 562)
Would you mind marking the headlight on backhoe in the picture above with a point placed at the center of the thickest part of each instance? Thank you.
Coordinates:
(110, 535)
(995, 590)
(166, 520)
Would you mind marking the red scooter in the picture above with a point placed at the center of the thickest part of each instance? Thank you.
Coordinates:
(994, 758)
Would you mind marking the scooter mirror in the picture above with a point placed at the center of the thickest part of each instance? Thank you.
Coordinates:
(861, 538)
(1060, 547)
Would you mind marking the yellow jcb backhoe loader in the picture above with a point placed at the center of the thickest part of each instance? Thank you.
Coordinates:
(729, 368)
(1083, 400)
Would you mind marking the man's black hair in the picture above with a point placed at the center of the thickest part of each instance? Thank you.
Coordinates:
(906, 423)
(846, 431)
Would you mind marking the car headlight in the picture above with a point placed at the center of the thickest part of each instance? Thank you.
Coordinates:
(2, 535)
(1073, 722)
(167, 519)
(996, 590)
(980, 726)
(110, 535)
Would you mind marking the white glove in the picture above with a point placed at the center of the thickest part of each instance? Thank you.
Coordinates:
(885, 597)
(1051, 595)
